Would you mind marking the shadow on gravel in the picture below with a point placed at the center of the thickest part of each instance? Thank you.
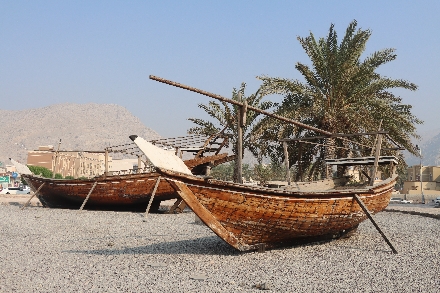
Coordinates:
(363, 249)
(205, 245)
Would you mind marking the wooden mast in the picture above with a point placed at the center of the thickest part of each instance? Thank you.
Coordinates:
(241, 122)
(106, 162)
(286, 162)
(55, 161)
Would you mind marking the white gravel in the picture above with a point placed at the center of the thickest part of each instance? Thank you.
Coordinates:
(55, 250)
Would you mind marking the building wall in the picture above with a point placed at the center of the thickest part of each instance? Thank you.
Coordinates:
(429, 173)
(40, 158)
(430, 182)
(69, 163)
(78, 163)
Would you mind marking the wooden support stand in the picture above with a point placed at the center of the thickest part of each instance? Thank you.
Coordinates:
(35, 193)
(365, 209)
(177, 207)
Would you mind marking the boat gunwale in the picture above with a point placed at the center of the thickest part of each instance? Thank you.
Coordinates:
(213, 184)
(100, 179)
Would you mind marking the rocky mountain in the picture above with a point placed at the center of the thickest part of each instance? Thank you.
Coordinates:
(79, 126)
(431, 151)
(430, 145)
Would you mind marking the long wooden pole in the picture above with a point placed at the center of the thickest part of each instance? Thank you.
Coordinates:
(300, 161)
(106, 162)
(241, 122)
(139, 165)
(377, 136)
(258, 110)
(55, 162)
(367, 212)
(376, 159)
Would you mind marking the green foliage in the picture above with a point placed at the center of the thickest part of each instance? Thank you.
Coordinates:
(38, 170)
(226, 115)
(58, 176)
(341, 94)
(403, 176)
(223, 172)
(69, 177)
(264, 173)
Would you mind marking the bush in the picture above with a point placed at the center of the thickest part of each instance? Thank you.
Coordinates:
(43, 171)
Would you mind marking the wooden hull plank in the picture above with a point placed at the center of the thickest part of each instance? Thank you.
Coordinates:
(188, 196)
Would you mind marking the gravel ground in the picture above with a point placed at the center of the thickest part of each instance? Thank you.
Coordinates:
(56, 250)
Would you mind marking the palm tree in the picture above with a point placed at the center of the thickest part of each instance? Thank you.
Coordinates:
(226, 116)
(341, 94)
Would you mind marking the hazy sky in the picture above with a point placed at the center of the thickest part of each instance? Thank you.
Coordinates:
(103, 51)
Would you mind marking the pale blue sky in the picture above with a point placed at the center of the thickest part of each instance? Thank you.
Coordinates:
(103, 51)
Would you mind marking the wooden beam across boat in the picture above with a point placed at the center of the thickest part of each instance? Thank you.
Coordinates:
(258, 110)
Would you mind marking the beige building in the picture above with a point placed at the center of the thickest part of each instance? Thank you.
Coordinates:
(69, 163)
(430, 182)
(79, 163)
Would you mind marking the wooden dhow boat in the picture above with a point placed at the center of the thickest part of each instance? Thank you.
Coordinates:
(251, 217)
(133, 189)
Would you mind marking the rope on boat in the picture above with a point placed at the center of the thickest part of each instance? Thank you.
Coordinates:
(88, 195)
(152, 196)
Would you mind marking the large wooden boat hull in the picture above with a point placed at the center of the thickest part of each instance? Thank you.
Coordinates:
(249, 217)
(118, 192)
(130, 192)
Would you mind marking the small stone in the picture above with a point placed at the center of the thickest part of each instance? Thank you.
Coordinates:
(262, 286)
(198, 277)
(156, 264)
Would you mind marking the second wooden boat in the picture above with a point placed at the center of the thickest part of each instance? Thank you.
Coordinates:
(132, 191)
(249, 217)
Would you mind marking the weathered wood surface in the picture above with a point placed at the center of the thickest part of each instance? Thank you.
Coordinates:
(112, 192)
(246, 216)
(213, 160)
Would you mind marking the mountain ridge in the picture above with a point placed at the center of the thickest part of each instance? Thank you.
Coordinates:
(79, 126)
